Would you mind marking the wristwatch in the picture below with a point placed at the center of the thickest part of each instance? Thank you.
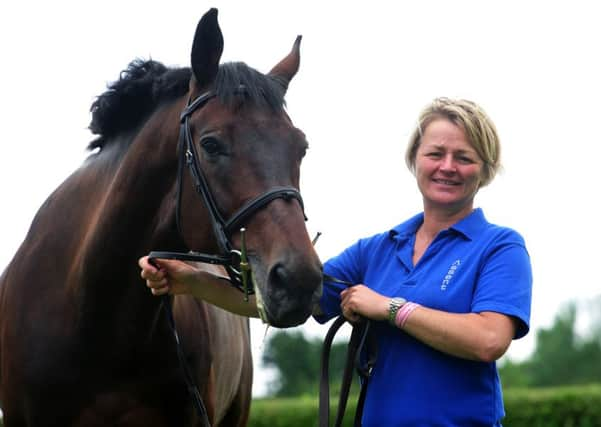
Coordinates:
(393, 307)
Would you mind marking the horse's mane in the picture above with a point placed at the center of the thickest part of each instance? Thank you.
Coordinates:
(146, 84)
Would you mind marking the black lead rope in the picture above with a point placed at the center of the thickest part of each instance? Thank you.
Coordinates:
(359, 341)
(201, 410)
(166, 303)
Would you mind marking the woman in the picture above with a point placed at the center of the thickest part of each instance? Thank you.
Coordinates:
(449, 289)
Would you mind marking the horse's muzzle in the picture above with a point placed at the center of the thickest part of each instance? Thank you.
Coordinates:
(290, 292)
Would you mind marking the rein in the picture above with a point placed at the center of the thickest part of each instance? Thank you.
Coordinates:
(235, 261)
(361, 341)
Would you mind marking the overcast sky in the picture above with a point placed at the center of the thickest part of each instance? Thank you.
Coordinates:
(367, 69)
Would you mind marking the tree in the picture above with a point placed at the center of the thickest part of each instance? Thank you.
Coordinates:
(561, 356)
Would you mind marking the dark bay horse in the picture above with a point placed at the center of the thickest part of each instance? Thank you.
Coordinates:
(82, 340)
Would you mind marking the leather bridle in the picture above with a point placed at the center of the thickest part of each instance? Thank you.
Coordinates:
(234, 261)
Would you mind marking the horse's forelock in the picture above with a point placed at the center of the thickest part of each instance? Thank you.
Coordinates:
(259, 89)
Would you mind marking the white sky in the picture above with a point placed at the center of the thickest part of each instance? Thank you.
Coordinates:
(367, 69)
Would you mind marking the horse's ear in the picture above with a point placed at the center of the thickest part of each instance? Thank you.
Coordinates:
(287, 67)
(206, 49)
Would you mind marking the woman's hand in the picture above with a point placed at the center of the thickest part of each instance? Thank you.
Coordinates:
(176, 277)
(166, 276)
(359, 300)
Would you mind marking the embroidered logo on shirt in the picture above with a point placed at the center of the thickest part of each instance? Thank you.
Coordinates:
(447, 278)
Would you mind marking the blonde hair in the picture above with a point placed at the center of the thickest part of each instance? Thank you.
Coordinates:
(478, 127)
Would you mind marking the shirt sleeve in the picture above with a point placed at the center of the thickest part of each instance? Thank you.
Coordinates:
(345, 266)
(505, 284)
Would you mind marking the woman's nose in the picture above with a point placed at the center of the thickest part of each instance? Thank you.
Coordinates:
(448, 163)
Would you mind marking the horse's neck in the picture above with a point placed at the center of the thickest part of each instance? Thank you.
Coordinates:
(133, 211)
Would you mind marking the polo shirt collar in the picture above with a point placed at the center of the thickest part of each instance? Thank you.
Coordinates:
(406, 230)
(469, 226)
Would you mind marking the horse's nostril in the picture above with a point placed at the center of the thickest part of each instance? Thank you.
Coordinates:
(291, 294)
(295, 282)
(279, 275)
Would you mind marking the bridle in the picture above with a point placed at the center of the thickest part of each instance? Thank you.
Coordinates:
(234, 261)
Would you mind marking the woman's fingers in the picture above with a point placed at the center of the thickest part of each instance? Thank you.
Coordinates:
(148, 270)
(350, 315)
(155, 277)
(158, 290)
(359, 301)
(347, 308)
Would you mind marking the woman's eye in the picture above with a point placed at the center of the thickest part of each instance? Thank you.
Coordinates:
(211, 146)
(434, 154)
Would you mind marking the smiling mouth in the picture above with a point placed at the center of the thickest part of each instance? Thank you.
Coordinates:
(446, 182)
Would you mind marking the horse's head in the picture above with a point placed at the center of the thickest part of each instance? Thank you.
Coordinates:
(245, 146)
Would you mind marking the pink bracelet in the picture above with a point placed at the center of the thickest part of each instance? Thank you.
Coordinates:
(403, 313)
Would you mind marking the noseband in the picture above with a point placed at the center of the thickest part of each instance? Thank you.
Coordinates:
(233, 260)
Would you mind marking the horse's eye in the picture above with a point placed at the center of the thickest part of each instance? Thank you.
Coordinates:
(211, 146)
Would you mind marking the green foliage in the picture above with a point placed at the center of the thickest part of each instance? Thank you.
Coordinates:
(569, 406)
(283, 412)
(561, 357)
(515, 374)
(298, 361)
(574, 406)
(290, 412)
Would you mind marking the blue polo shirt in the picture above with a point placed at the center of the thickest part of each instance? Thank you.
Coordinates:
(473, 266)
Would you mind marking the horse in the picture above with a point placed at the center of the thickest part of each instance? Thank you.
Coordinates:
(82, 340)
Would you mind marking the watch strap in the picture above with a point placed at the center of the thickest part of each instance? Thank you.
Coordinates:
(393, 307)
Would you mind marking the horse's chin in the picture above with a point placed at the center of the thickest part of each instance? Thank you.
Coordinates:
(289, 320)
(279, 310)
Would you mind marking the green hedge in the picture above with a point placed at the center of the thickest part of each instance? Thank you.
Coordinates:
(574, 406)
(577, 406)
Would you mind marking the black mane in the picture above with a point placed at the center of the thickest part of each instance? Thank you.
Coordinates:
(146, 84)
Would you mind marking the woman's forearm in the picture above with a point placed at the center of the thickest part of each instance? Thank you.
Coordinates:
(476, 336)
(219, 292)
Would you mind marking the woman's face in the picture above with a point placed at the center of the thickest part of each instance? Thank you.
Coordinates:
(447, 167)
